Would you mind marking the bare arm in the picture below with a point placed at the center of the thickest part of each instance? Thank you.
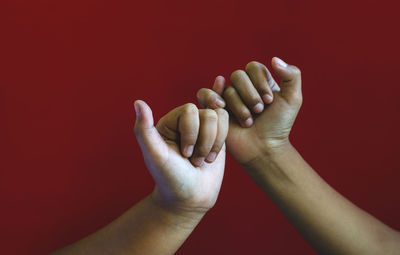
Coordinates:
(263, 113)
(185, 154)
(146, 228)
(327, 220)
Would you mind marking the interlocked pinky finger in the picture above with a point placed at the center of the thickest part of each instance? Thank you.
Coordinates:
(208, 98)
(222, 132)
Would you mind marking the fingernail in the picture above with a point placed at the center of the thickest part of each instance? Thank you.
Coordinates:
(280, 62)
(220, 103)
(248, 122)
(198, 161)
(220, 77)
(267, 98)
(258, 108)
(211, 157)
(137, 110)
(189, 150)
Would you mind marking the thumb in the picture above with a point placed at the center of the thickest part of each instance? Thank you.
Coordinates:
(290, 77)
(147, 135)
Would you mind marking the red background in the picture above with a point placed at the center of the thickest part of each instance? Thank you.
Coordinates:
(70, 71)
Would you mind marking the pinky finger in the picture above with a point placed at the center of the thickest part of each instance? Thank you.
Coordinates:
(222, 133)
(208, 98)
(219, 85)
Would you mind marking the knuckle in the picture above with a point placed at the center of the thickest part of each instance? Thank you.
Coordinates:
(210, 98)
(200, 93)
(190, 108)
(253, 65)
(204, 94)
(222, 113)
(210, 115)
(229, 92)
(236, 74)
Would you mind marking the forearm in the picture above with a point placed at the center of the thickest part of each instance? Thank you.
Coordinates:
(328, 221)
(146, 228)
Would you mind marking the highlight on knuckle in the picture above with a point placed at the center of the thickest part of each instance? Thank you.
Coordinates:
(236, 74)
(210, 115)
(252, 66)
(190, 108)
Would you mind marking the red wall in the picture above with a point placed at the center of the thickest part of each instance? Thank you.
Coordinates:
(70, 71)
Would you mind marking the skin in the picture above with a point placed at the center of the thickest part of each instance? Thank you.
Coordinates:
(259, 139)
(177, 153)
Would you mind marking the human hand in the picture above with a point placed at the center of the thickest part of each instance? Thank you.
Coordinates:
(263, 112)
(185, 154)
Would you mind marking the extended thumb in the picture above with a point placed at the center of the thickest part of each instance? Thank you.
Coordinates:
(144, 115)
(146, 134)
(290, 77)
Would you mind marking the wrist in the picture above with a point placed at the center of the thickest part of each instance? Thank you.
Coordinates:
(175, 214)
(269, 170)
(268, 151)
(273, 148)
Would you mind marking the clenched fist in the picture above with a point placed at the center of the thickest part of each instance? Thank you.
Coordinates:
(263, 112)
(185, 154)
